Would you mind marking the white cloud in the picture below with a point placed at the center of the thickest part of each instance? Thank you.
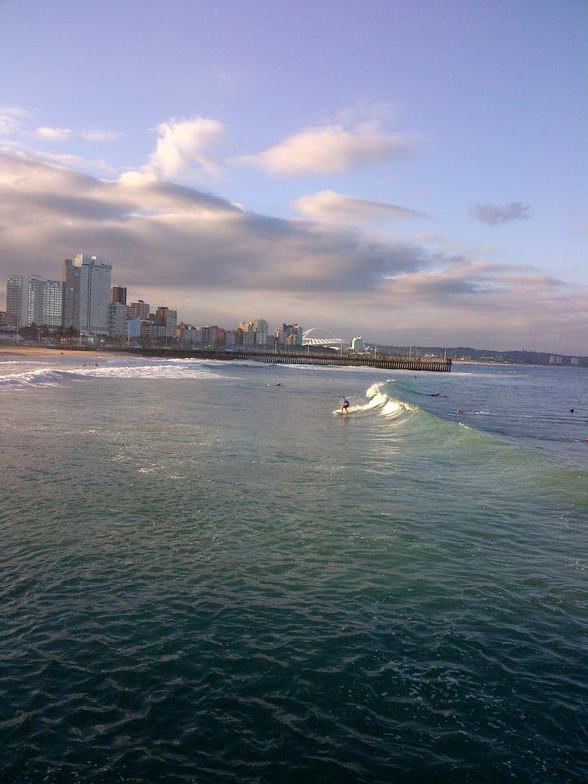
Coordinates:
(11, 119)
(78, 161)
(17, 121)
(48, 133)
(181, 146)
(331, 207)
(216, 260)
(53, 134)
(331, 149)
(495, 214)
(137, 179)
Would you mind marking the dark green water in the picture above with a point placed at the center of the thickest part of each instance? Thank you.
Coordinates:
(206, 577)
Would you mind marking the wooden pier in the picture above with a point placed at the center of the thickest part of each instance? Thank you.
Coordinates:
(300, 358)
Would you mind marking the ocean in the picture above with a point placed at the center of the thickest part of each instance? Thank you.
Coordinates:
(209, 575)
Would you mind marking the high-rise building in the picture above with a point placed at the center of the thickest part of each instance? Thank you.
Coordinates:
(134, 327)
(118, 320)
(261, 330)
(167, 318)
(31, 299)
(53, 303)
(253, 333)
(291, 334)
(140, 309)
(119, 294)
(86, 294)
(246, 332)
(188, 335)
(357, 344)
(211, 336)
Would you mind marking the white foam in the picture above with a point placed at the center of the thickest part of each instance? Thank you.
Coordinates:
(51, 376)
(31, 378)
(379, 401)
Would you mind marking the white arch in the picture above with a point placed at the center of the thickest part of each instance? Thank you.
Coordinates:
(330, 341)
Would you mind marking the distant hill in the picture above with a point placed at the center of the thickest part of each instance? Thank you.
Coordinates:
(489, 355)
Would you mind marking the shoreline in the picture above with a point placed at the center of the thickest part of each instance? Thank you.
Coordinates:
(10, 350)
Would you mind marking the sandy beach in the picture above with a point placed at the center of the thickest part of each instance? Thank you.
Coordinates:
(59, 350)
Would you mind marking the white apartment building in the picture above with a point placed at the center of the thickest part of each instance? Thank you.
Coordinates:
(53, 303)
(118, 320)
(86, 294)
(32, 299)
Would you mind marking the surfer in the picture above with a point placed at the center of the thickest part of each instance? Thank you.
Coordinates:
(345, 405)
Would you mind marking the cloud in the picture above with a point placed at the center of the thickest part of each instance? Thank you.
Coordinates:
(169, 234)
(332, 149)
(53, 134)
(218, 262)
(78, 161)
(331, 207)
(48, 133)
(11, 119)
(181, 146)
(15, 121)
(100, 136)
(494, 214)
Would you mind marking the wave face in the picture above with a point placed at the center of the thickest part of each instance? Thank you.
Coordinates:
(526, 407)
(380, 401)
(205, 576)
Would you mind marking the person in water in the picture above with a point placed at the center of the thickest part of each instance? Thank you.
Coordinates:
(345, 405)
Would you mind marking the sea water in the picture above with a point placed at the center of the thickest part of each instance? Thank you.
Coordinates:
(208, 574)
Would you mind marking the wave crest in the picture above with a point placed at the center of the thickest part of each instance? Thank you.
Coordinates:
(43, 377)
(380, 401)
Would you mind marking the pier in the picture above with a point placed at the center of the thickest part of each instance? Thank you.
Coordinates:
(299, 358)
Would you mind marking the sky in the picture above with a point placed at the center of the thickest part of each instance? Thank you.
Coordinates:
(412, 171)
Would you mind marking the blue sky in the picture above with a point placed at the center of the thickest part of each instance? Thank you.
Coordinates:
(468, 119)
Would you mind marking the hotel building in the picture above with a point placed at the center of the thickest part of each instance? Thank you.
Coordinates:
(86, 294)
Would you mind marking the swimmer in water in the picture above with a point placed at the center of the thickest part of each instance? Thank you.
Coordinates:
(345, 405)
(571, 410)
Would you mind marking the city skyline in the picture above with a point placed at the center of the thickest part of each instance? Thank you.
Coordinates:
(373, 189)
(85, 301)
(33, 301)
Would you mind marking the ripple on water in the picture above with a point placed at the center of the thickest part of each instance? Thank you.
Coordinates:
(285, 603)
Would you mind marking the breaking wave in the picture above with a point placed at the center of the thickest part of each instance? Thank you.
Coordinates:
(380, 401)
(44, 377)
